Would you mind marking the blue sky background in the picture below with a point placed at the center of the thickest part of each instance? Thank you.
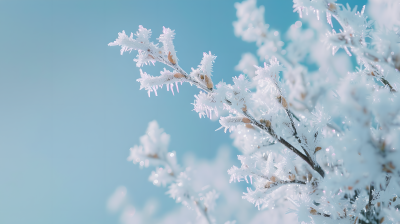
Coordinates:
(70, 106)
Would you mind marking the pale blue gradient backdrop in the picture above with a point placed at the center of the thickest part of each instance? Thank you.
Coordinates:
(70, 106)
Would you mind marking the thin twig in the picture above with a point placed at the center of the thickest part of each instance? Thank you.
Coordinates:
(364, 53)
(313, 164)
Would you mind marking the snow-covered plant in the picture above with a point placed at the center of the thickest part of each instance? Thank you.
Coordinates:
(153, 151)
(204, 172)
(327, 139)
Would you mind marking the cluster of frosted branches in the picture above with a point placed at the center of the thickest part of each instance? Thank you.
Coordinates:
(326, 139)
(153, 151)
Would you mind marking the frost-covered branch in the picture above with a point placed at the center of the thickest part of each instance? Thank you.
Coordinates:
(201, 77)
(153, 151)
(355, 29)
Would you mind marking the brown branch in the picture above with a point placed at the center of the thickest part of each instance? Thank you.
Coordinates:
(270, 131)
(277, 183)
(384, 81)
(283, 102)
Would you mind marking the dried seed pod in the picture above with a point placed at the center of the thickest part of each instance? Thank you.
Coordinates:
(267, 185)
(246, 120)
(378, 204)
(313, 211)
(209, 83)
(383, 146)
(391, 166)
(292, 177)
(155, 156)
(317, 149)
(309, 176)
(178, 75)
(382, 219)
(332, 7)
(244, 109)
(249, 126)
(273, 179)
(350, 188)
(396, 60)
(266, 122)
(385, 169)
(171, 58)
(284, 103)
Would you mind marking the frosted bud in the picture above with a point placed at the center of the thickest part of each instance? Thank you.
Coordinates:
(244, 108)
(284, 103)
(246, 120)
(178, 75)
(208, 81)
(269, 71)
(332, 7)
(166, 39)
(171, 58)
(249, 126)
(206, 63)
(266, 122)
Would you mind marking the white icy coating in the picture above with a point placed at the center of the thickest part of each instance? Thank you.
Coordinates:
(154, 151)
(325, 139)
(246, 64)
(209, 176)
